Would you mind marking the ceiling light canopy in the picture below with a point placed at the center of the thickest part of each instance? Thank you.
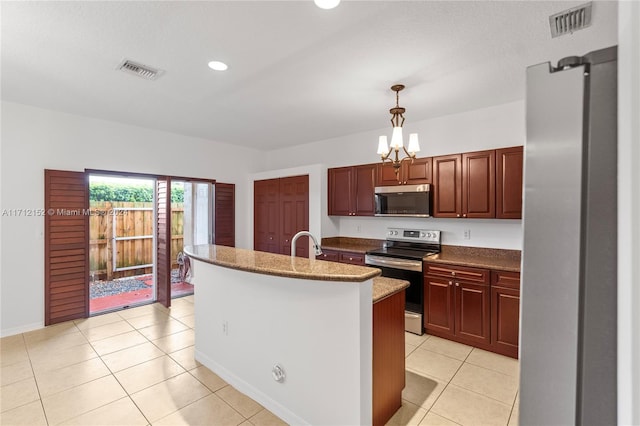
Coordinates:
(397, 113)
(326, 4)
(218, 66)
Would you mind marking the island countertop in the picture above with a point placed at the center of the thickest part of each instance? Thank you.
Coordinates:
(280, 265)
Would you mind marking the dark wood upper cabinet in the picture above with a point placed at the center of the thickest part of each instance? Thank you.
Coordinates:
(416, 172)
(351, 190)
(339, 191)
(447, 186)
(364, 185)
(464, 185)
(509, 164)
(478, 184)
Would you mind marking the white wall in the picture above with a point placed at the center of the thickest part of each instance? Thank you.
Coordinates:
(487, 128)
(628, 213)
(35, 139)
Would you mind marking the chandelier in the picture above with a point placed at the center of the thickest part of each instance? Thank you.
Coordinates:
(396, 137)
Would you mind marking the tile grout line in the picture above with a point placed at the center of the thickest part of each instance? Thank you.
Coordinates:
(33, 372)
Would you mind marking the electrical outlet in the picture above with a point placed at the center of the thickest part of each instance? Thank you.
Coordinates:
(467, 234)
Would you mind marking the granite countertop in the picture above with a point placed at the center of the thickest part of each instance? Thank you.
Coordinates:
(280, 265)
(384, 287)
(356, 245)
(478, 257)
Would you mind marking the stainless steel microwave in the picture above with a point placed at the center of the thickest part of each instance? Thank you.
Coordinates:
(403, 200)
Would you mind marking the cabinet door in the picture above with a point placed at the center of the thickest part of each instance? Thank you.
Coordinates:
(387, 175)
(478, 184)
(364, 183)
(505, 320)
(417, 172)
(294, 213)
(447, 186)
(509, 182)
(329, 255)
(472, 321)
(340, 191)
(266, 216)
(438, 304)
(352, 258)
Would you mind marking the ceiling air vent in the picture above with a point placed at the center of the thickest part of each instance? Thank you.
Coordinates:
(570, 20)
(139, 70)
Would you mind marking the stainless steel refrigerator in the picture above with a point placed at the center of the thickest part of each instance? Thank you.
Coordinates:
(568, 300)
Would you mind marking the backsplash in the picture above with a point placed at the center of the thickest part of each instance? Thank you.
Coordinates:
(490, 233)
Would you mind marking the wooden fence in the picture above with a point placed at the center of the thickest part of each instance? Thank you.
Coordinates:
(128, 225)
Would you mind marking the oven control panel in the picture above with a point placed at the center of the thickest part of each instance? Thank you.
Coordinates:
(417, 235)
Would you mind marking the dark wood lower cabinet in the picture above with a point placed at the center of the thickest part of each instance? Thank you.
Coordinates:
(349, 257)
(473, 306)
(505, 312)
(472, 312)
(438, 305)
(388, 357)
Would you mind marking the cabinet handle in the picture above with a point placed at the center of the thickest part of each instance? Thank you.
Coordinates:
(458, 215)
(457, 284)
(405, 182)
(286, 241)
(450, 283)
(453, 273)
(351, 258)
(271, 238)
(464, 215)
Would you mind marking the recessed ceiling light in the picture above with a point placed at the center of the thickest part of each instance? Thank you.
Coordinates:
(326, 4)
(218, 66)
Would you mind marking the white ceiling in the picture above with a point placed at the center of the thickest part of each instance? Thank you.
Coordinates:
(296, 73)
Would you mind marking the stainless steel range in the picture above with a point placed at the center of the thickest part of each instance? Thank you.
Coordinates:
(401, 257)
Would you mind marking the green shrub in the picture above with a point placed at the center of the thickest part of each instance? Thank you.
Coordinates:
(130, 193)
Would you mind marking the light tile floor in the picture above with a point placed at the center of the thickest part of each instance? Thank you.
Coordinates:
(137, 367)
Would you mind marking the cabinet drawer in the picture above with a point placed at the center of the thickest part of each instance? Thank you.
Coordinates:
(458, 272)
(331, 256)
(352, 258)
(505, 279)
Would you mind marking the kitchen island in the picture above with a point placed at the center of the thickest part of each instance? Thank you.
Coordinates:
(302, 337)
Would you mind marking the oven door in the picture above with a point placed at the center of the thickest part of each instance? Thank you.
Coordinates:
(408, 270)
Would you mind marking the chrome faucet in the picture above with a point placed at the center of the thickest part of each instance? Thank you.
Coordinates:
(316, 246)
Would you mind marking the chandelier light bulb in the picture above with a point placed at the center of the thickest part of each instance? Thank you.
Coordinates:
(396, 138)
(383, 148)
(326, 4)
(414, 145)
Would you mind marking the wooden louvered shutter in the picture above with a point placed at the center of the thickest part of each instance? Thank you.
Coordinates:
(163, 241)
(225, 231)
(66, 246)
